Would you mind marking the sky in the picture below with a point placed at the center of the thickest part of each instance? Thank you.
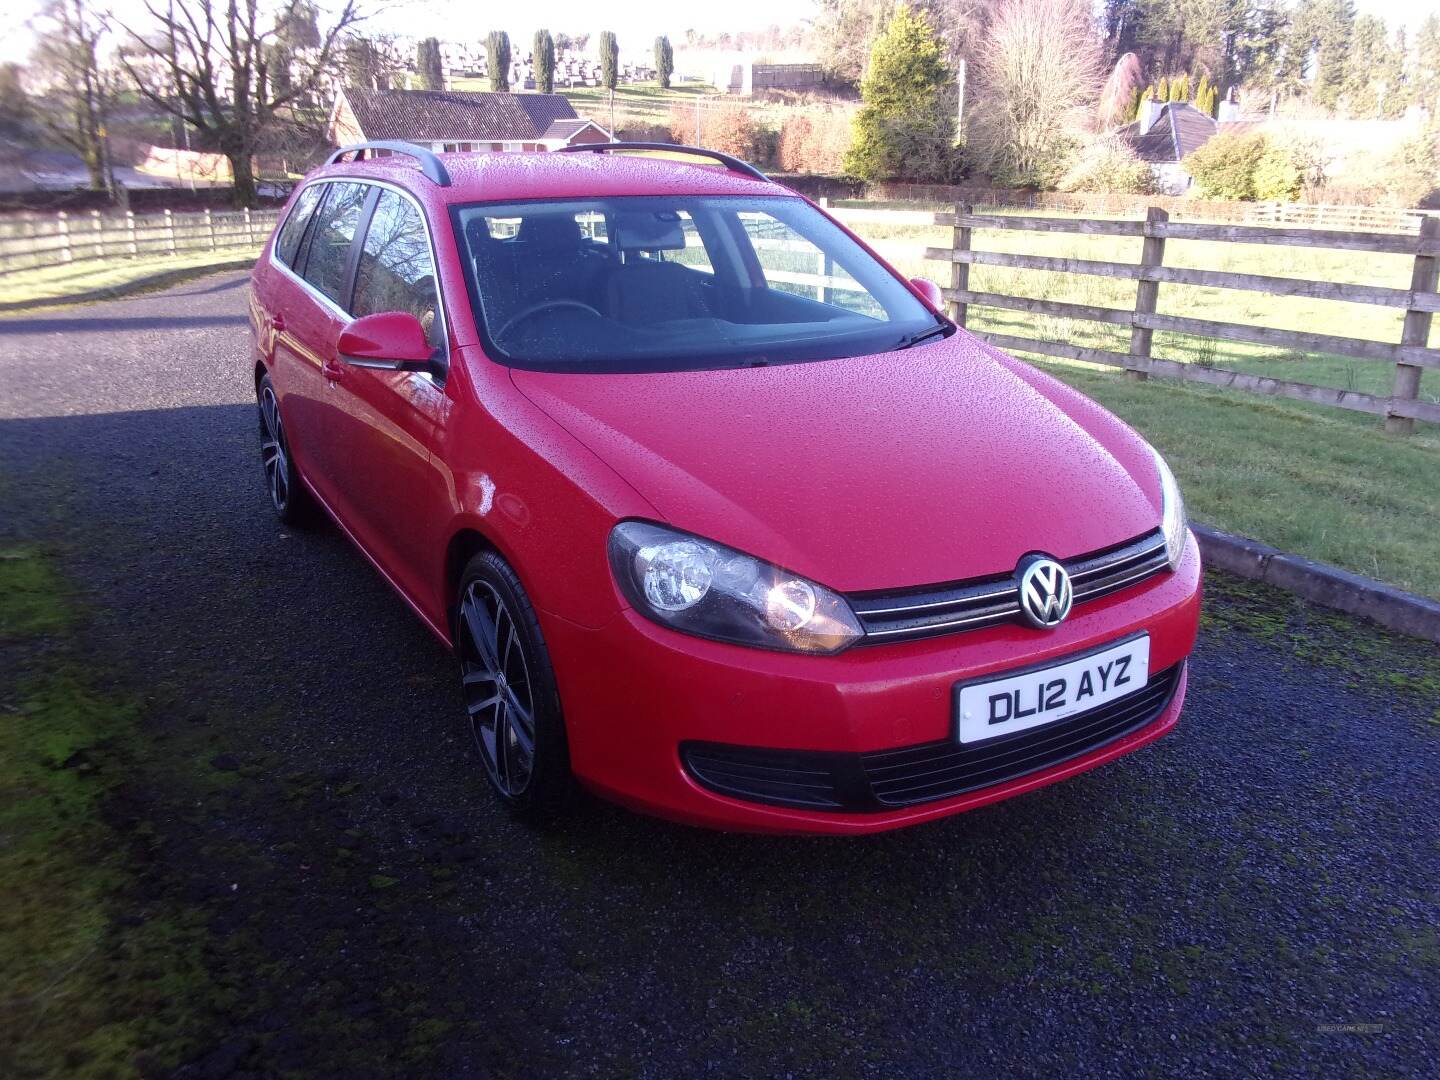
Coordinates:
(635, 22)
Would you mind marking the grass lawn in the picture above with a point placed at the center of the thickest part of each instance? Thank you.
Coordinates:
(902, 244)
(81, 277)
(1323, 483)
(636, 104)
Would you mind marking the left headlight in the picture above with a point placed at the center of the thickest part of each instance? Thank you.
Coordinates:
(713, 591)
(1173, 522)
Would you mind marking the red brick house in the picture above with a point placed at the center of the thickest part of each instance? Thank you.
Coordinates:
(451, 120)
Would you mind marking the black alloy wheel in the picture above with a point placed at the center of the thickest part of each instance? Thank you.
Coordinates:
(511, 701)
(287, 494)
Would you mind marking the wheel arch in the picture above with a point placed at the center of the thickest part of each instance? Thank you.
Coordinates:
(464, 545)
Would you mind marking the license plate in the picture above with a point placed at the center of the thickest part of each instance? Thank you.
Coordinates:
(1016, 702)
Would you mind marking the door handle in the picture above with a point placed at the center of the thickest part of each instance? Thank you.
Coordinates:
(278, 322)
(332, 370)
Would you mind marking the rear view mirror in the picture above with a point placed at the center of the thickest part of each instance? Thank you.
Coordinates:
(930, 291)
(392, 340)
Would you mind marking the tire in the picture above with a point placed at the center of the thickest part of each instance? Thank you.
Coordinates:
(288, 498)
(515, 715)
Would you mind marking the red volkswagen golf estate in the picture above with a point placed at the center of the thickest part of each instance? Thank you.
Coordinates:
(721, 517)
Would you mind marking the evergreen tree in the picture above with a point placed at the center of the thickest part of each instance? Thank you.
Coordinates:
(544, 62)
(664, 62)
(1180, 88)
(1162, 94)
(1426, 79)
(364, 70)
(497, 59)
(905, 128)
(609, 67)
(429, 65)
(1333, 29)
(1202, 92)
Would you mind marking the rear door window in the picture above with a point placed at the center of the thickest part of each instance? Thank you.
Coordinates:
(396, 272)
(287, 244)
(332, 237)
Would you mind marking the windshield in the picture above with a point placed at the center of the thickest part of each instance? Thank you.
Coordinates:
(664, 283)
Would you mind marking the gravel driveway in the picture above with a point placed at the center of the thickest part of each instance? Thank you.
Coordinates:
(1255, 893)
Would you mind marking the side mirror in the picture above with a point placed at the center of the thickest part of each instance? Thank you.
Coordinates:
(391, 340)
(930, 291)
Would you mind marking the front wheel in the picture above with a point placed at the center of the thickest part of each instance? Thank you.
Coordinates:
(511, 700)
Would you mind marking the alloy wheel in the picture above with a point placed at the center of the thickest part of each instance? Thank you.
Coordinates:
(499, 695)
(272, 450)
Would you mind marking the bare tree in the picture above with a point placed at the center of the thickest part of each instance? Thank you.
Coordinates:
(1039, 69)
(212, 44)
(77, 92)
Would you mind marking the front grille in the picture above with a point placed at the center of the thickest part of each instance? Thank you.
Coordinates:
(888, 779)
(947, 609)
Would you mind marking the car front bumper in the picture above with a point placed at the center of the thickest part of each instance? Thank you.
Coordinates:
(640, 698)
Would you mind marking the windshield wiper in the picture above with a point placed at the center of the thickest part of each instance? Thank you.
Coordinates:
(922, 335)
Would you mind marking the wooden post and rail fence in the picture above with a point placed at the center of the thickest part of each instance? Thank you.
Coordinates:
(41, 241)
(1409, 356)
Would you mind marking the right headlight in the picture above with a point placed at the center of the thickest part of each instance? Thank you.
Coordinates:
(713, 591)
(1173, 522)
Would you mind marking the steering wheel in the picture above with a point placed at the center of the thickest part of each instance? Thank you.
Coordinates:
(544, 305)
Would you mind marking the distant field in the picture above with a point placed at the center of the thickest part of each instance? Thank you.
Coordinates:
(646, 104)
(902, 245)
(636, 104)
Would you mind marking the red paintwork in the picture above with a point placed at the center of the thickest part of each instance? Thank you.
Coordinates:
(386, 335)
(933, 464)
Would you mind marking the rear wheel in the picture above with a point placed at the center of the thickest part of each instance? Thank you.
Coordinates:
(288, 496)
(511, 700)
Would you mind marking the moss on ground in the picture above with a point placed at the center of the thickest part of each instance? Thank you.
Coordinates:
(98, 981)
(1366, 654)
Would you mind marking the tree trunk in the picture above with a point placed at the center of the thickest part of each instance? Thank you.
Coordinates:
(241, 168)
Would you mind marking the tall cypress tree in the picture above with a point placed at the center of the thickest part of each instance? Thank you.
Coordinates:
(497, 59)
(544, 62)
(429, 65)
(609, 67)
(664, 62)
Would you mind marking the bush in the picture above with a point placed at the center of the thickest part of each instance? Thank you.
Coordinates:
(815, 141)
(1224, 168)
(1108, 165)
(906, 126)
(1408, 175)
(729, 128)
(1277, 175)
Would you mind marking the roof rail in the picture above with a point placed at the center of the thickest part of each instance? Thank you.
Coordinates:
(734, 164)
(430, 165)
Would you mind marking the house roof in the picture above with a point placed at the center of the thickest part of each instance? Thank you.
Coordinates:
(564, 129)
(454, 115)
(1176, 130)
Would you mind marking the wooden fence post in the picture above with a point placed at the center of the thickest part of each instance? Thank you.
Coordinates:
(131, 240)
(1417, 327)
(1148, 291)
(62, 229)
(960, 271)
(98, 224)
(170, 231)
(210, 228)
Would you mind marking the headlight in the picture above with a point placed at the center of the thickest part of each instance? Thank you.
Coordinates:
(1172, 515)
(713, 591)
